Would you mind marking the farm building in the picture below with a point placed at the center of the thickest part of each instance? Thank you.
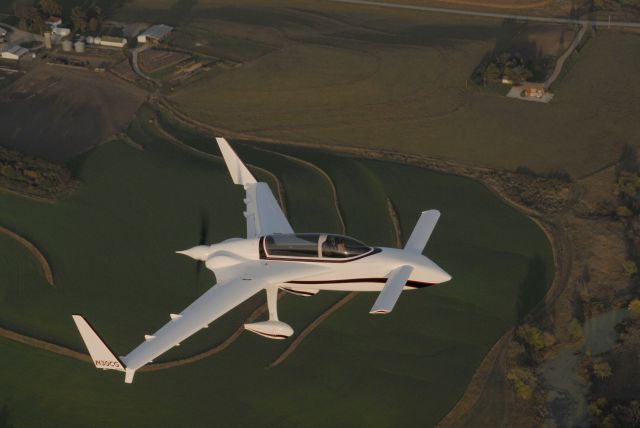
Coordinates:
(115, 42)
(60, 31)
(534, 90)
(13, 53)
(54, 21)
(3, 34)
(154, 34)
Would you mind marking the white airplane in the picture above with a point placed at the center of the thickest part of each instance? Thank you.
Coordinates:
(274, 257)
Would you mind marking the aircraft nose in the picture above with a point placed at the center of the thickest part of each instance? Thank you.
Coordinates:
(444, 276)
(439, 275)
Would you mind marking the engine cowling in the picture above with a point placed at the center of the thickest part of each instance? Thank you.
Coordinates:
(277, 330)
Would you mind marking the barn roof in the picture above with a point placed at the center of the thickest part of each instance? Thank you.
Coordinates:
(157, 31)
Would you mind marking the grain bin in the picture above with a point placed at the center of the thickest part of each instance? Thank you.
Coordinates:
(97, 40)
(67, 45)
(90, 40)
(79, 47)
(47, 39)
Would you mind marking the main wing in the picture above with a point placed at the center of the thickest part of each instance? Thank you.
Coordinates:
(217, 301)
(214, 303)
(264, 215)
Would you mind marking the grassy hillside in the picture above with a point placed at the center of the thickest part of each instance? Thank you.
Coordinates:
(391, 79)
(111, 248)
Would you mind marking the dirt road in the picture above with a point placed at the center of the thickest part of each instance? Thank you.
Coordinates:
(619, 24)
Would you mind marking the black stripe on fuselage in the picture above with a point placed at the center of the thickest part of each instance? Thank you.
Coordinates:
(298, 292)
(410, 283)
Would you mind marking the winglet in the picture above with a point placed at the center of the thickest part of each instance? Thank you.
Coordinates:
(101, 355)
(239, 172)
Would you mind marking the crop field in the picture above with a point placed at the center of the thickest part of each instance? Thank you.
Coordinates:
(59, 112)
(398, 80)
(111, 245)
(152, 60)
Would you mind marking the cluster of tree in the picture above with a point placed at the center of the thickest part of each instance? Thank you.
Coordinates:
(525, 353)
(513, 67)
(627, 188)
(87, 16)
(524, 382)
(30, 18)
(607, 414)
(617, 5)
(576, 332)
(553, 174)
(634, 309)
(32, 176)
(613, 394)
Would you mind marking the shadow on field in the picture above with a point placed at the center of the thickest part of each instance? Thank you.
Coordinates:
(203, 239)
(4, 418)
(532, 288)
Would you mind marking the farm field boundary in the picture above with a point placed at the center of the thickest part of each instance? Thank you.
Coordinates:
(35, 252)
(619, 24)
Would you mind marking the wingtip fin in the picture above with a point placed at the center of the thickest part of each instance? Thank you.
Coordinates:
(240, 174)
(101, 355)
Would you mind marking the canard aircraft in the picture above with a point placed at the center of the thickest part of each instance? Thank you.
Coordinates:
(273, 257)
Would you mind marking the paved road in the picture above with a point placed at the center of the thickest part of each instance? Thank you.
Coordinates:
(491, 14)
(136, 66)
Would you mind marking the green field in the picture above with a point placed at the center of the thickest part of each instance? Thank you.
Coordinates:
(111, 247)
(378, 78)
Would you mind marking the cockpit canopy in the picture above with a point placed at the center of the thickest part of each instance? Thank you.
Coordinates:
(326, 246)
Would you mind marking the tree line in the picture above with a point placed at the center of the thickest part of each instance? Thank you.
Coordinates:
(86, 16)
(513, 67)
(32, 176)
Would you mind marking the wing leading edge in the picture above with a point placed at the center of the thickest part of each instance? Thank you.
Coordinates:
(264, 215)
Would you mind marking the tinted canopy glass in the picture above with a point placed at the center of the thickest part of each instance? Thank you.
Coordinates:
(313, 245)
(338, 246)
(300, 245)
